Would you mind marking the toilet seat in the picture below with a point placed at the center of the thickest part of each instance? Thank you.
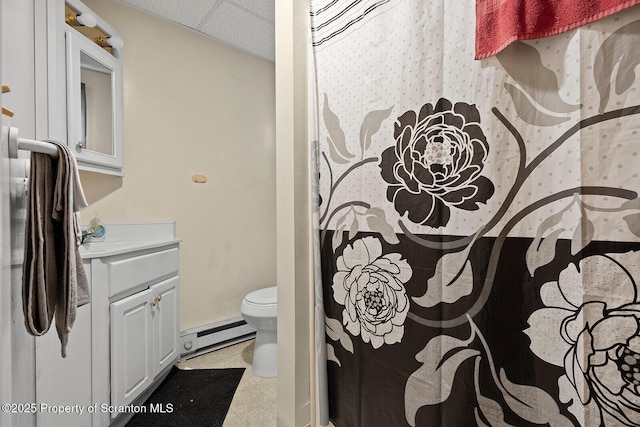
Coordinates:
(261, 303)
(266, 296)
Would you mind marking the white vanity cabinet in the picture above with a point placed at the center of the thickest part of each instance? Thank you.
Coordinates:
(135, 316)
(124, 340)
(140, 297)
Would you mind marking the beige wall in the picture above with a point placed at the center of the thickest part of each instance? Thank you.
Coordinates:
(195, 106)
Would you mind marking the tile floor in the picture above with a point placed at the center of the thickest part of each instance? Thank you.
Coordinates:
(254, 404)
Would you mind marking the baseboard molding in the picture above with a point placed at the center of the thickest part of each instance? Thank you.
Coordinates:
(214, 336)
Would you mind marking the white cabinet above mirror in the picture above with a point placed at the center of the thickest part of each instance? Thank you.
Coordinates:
(94, 90)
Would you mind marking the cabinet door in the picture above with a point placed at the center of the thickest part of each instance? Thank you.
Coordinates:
(165, 323)
(94, 102)
(131, 347)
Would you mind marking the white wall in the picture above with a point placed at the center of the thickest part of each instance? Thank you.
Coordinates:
(193, 105)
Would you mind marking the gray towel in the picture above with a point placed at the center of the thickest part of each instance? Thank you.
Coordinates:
(54, 280)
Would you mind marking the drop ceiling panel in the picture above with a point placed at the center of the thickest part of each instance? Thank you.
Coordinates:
(245, 24)
(264, 8)
(186, 12)
(242, 29)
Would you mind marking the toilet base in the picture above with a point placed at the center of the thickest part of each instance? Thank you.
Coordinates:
(265, 354)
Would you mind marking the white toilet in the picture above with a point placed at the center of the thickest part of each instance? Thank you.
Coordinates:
(259, 309)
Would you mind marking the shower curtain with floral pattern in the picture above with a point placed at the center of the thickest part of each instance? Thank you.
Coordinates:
(479, 220)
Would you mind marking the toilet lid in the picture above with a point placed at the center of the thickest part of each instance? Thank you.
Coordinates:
(263, 296)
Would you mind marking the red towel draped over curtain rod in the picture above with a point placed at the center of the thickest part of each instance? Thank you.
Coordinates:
(501, 22)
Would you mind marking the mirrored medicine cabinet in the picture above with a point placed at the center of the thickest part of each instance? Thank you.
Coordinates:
(94, 91)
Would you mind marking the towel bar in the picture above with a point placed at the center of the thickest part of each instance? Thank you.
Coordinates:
(16, 144)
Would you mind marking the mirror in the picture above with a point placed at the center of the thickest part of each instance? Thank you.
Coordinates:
(94, 105)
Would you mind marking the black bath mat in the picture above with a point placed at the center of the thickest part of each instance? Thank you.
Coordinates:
(194, 398)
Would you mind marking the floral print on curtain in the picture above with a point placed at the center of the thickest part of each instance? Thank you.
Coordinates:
(480, 220)
(436, 162)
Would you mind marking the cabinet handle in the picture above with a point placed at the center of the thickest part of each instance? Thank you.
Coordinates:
(154, 302)
(159, 297)
(79, 146)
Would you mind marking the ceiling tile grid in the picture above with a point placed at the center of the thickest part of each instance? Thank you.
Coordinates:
(263, 8)
(242, 29)
(245, 24)
(185, 12)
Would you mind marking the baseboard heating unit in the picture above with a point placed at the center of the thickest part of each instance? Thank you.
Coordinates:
(214, 336)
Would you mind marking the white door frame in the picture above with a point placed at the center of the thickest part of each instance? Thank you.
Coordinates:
(6, 381)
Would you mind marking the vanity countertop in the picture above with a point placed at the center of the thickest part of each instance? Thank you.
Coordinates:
(105, 249)
(122, 238)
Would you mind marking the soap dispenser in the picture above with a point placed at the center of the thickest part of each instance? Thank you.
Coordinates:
(97, 228)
